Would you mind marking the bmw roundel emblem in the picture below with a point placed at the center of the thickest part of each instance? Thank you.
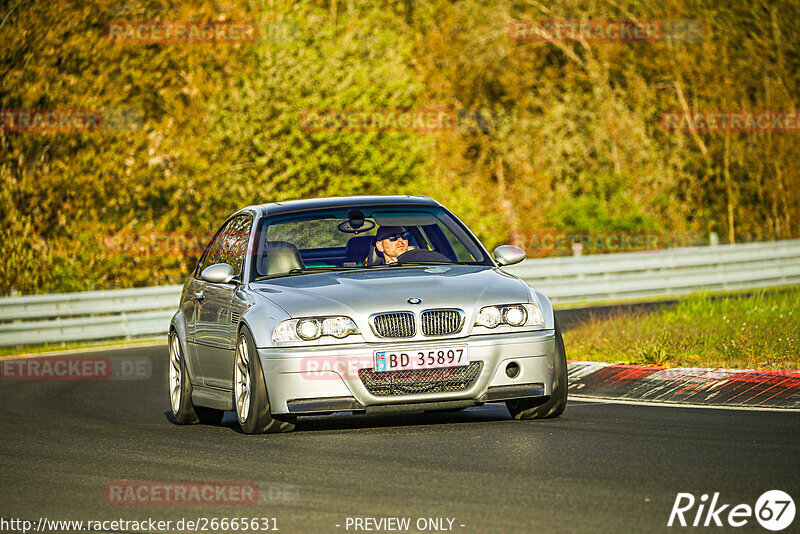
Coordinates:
(414, 300)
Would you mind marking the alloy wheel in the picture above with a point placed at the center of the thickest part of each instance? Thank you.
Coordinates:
(242, 385)
(175, 375)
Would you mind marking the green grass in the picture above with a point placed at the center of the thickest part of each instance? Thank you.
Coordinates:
(670, 298)
(757, 331)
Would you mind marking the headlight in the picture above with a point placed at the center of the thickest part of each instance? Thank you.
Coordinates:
(512, 314)
(311, 328)
(515, 315)
(308, 329)
(338, 327)
(490, 316)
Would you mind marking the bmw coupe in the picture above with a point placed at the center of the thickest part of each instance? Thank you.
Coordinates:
(363, 305)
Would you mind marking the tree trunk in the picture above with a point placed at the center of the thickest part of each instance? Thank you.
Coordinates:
(726, 170)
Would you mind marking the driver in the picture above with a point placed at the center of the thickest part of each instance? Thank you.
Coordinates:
(392, 242)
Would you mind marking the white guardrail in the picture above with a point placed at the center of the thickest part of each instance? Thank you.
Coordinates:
(145, 312)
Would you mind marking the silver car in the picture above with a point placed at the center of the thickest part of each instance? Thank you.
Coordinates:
(294, 310)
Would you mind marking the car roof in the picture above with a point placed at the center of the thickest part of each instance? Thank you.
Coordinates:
(289, 206)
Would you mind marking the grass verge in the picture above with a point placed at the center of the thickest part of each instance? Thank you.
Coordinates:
(755, 331)
(18, 351)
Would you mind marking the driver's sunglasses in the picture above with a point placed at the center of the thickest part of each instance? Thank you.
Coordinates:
(395, 237)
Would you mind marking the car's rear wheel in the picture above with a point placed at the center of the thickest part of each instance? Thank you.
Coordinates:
(250, 390)
(546, 407)
(180, 390)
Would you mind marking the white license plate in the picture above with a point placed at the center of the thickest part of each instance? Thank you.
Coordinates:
(427, 358)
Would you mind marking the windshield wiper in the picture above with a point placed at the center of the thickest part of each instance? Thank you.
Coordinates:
(434, 263)
(417, 264)
(305, 270)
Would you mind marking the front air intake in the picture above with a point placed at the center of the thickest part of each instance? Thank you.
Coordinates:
(442, 322)
(394, 325)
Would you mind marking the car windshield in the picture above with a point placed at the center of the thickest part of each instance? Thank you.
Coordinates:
(303, 242)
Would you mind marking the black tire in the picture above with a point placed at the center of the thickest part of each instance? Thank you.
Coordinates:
(256, 418)
(183, 411)
(546, 407)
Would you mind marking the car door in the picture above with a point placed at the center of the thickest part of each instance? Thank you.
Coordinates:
(189, 306)
(196, 290)
(216, 324)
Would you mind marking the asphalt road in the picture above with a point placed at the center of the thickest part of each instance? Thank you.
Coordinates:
(598, 468)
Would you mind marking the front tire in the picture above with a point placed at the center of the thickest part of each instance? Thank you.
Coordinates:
(180, 390)
(546, 407)
(250, 390)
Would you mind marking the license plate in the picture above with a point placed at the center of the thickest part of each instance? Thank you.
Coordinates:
(429, 358)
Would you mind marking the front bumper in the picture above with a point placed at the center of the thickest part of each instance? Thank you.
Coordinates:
(312, 380)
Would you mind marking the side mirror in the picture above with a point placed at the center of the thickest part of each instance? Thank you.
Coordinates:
(508, 255)
(219, 273)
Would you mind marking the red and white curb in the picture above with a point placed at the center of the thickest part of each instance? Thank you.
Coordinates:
(686, 385)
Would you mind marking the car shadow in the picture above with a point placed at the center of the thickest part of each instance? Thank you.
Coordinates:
(228, 421)
(349, 421)
(487, 413)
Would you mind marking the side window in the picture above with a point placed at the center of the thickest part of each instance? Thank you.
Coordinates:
(233, 245)
(212, 252)
(462, 254)
(446, 243)
(230, 244)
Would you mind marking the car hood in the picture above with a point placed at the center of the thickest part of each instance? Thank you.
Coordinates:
(364, 292)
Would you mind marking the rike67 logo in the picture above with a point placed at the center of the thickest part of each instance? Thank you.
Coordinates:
(774, 510)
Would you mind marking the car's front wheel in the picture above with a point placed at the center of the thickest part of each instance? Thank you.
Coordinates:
(547, 407)
(250, 390)
(180, 390)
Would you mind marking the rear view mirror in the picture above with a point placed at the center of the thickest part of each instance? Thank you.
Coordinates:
(508, 255)
(219, 273)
